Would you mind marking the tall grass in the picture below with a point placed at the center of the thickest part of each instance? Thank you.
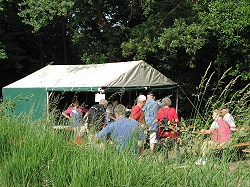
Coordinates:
(213, 95)
(33, 154)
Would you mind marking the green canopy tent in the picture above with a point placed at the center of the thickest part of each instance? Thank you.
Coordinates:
(31, 92)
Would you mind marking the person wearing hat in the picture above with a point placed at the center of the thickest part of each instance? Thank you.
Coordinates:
(136, 112)
(150, 109)
(138, 115)
(228, 117)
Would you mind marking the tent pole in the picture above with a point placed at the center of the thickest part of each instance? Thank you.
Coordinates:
(177, 101)
(129, 98)
(47, 110)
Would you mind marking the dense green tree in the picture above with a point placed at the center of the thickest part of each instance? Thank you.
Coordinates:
(201, 31)
(178, 37)
(2, 51)
(16, 38)
(96, 28)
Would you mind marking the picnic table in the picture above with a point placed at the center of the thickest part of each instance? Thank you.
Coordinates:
(246, 150)
(242, 128)
(200, 132)
(62, 127)
(70, 130)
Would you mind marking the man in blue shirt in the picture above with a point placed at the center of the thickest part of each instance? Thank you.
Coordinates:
(126, 132)
(150, 109)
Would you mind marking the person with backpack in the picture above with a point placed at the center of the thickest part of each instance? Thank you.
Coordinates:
(96, 117)
(167, 119)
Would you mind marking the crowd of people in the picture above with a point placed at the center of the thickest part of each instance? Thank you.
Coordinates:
(148, 120)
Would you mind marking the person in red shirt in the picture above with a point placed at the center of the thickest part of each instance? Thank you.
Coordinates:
(136, 112)
(138, 115)
(75, 115)
(170, 113)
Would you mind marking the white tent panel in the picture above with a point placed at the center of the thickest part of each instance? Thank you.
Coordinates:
(120, 74)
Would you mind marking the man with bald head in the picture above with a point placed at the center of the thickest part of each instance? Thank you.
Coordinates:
(228, 117)
(137, 113)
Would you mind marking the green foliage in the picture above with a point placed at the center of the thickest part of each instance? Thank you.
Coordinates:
(179, 38)
(3, 54)
(212, 96)
(92, 59)
(1, 5)
(228, 20)
(40, 13)
(191, 37)
(32, 155)
(147, 6)
(205, 31)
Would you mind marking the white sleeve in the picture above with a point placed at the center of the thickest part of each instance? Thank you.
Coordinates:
(214, 125)
(229, 118)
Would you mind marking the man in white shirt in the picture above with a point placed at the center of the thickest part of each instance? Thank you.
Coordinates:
(228, 117)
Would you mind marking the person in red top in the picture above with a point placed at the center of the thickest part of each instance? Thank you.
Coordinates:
(138, 115)
(136, 112)
(170, 113)
(220, 135)
(75, 115)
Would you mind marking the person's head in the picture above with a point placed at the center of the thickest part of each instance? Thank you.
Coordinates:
(75, 102)
(166, 101)
(216, 114)
(114, 102)
(120, 110)
(150, 95)
(103, 102)
(224, 110)
(141, 99)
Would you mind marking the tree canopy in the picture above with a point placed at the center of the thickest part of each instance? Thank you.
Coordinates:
(179, 37)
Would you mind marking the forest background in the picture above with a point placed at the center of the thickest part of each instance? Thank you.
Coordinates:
(180, 38)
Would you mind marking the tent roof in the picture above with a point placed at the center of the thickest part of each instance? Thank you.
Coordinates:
(131, 74)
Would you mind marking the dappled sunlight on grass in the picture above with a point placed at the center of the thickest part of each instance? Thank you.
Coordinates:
(32, 155)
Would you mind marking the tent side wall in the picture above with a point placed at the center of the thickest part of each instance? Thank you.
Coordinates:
(27, 101)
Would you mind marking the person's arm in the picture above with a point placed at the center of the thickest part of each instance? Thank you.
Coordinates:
(212, 128)
(176, 119)
(135, 114)
(89, 115)
(85, 116)
(138, 129)
(66, 113)
(157, 118)
(106, 130)
(229, 118)
(209, 131)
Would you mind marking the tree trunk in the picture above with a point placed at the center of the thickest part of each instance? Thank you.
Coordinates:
(41, 50)
(65, 53)
(103, 21)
